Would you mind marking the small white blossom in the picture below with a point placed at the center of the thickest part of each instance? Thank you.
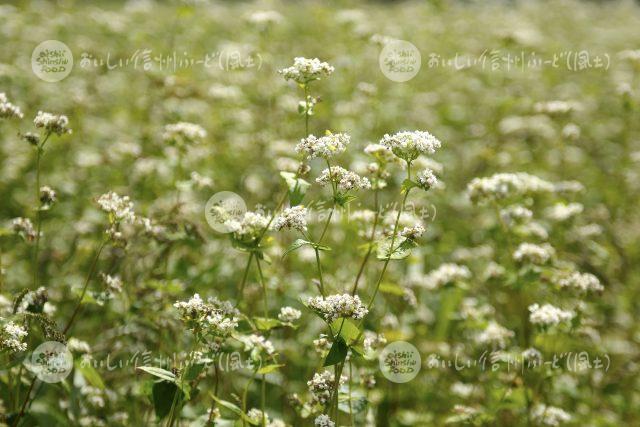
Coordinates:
(582, 281)
(562, 212)
(52, 123)
(412, 233)
(258, 342)
(113, 283)
(445, 274)
(427, 179)
(336, 306)
(323, 421)
(295, 218)
(535, 254)
(7, 109)
(305, 70)
(345, 179)
(289, 314)
(495, 334)
(504, 185)
(183, 132)
(320, 386)
(409, 145)
(549, 415)
(515, 214)
(121, 207)
(24, 227)
(548, 315)
(325, 147)
(12, 336)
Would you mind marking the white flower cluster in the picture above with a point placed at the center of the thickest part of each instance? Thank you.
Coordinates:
(325, 147)
(412, 233)
(549, 415)
(217, 317)
(33, 301)
(183, 132)
(515, 213)
(380, 152)
(427, 179)
(535, 254)
(289, 314)
(113, 283)
(495, 334)
(12, 336)
(548, 315)
(373, 341)
(555, 107)
(323, 421)
(336, 306)
(258, 343)
(445, 274)
(345, 179)
(562, 212)
(582, 281)
(121, 207)
(305, 70)
(503, 185)
(24, 226)
(47, 195)
(200, 181)
(7, 109)
(409, 145)
(320, 386)
(52, 123)
(78, 346)
(249, 228)
(295, 218)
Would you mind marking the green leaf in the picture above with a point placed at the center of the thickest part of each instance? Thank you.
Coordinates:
(162, 394)
(348, 330)
(342, 199)
(90, 374)
(266, 324)
(407, 185)
(296, 245)
(401, 248)
(391, 288)
(159, 372)
(268, 369)
(235, 409)
(297, 187)
(337, 353)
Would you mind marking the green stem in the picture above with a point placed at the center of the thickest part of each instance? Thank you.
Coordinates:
(370, 249)
(244, 280)
(264, 289)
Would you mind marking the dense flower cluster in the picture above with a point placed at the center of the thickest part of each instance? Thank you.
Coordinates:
(504, 185)
(121, 207)
(585, 282)
(562, 212)
(534, 254)
(445, 274)
(214, 316)
(249, 228)
(24, 227)
(323, 421)
(427, 179)
(344, 179)
(289, 314)
(336, 306)
(7, 109)
(305, 70)
(12, 337)
(183, 132)
(548, 315)
(495, 334)
(320, 386)
(409, 145)
(325, 147)
(549, 415)
(52, 123)
(294, 218)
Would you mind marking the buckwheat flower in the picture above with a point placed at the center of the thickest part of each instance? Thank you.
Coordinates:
(112, 283)
(258, 416)
(119, 207)
(584, 282)
(33, 301)
(532, 229)
(78, 346)
(336, 306)
(409, 145)
(201, 181)
(183, 133)
(345, 179)
(495, 335)
(571, 131)
(412, 233)
(323, 421)
(426, 179)
(555, 107)
(258, 343)
(380, 152)
(548, 315)
(289, 314)
(24, 227)
(325, 147)
(293, 218)
(322, 345)
(534, 254)
(249, 228)
(8, 110)
(52, 123)
(461, 389)
(562, 212)
(305, 70)
(373, 341)
(532, 355)
(549, 415)
(47, 196)
(192, 309)
(515, 214)
(151, 229)
(320, 386)
(12, 337)
(504, 185)
(445, 274)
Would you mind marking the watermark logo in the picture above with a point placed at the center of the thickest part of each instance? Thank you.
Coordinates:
(51, 61)
(224, 211)
(400, 362)
(51, 362)
(400, 60)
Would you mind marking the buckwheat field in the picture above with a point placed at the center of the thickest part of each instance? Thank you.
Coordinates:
(273, 213)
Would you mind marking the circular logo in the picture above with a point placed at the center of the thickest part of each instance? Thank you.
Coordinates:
(224, 211)
(51, 61)
(400, 362)
(400, 60)
(51, 361)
